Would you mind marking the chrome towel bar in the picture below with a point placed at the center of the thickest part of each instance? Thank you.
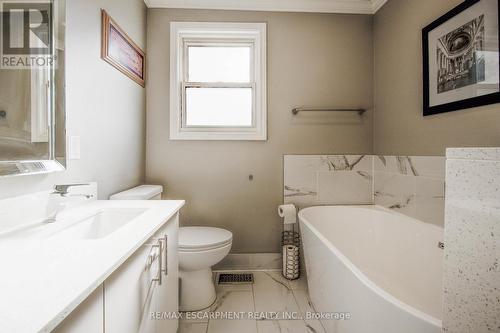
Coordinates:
(297, 110)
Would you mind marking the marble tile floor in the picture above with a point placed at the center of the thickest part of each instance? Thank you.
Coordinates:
(271, 295)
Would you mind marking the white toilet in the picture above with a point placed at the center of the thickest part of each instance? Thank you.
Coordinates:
(143, 192)
(200, 248)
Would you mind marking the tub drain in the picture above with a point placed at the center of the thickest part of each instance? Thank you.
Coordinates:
(235, 278)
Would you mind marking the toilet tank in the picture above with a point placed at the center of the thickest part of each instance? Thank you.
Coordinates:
(143, 192)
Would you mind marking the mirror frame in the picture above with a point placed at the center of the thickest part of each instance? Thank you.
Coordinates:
(53, 163)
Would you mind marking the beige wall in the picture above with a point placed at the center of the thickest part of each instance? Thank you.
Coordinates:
(313, 60)
(399, 127)
(104, 108)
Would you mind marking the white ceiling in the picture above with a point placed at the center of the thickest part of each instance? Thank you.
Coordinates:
(315, 6)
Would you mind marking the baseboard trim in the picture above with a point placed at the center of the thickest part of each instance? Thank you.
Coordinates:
(250, 261)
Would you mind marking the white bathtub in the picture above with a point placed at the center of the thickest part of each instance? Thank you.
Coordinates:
(382, 267)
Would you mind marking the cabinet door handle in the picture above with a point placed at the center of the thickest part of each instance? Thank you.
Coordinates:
(166, 255)
(151, 260)
(164, 241)
(159, 276)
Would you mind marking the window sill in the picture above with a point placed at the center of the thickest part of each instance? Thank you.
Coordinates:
(218, 136)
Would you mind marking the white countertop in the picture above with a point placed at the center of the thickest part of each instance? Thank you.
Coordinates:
(43, 280)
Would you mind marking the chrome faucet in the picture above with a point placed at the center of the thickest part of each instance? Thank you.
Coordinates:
(63, 190)
(56, 206)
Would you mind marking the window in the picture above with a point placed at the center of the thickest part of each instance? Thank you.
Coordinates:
(218, 81)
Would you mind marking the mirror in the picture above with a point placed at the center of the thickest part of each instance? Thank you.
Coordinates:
(32, 87)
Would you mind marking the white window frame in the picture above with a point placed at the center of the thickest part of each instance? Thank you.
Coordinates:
(184, 34)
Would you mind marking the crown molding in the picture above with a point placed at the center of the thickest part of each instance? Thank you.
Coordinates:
(377, 4)
(311, 6)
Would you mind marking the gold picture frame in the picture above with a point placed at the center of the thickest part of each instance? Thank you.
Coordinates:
(120, 51)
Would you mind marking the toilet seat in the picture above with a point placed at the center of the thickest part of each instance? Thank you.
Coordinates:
(197, 239)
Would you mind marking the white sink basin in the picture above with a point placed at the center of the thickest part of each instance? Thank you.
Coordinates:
(100, 225)
(89, 225)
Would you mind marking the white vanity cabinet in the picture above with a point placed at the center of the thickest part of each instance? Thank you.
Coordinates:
(135, 297)
(146, 284)
(87, 317)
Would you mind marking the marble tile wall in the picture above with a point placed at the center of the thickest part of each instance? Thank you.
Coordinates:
(472, 241)
(411, 185)
(311, 180)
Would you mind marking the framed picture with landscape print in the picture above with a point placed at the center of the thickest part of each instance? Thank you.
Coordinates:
(120, 51)
(461, 58)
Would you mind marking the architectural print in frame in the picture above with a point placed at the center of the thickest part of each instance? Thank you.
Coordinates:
(461, 58)
(120, 51)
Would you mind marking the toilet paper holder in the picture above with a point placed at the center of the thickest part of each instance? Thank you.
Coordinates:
(290, 245)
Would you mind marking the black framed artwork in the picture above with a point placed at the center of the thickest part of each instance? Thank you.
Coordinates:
(461, 58)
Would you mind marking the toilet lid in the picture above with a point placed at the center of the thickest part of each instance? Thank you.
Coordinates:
(203, 238)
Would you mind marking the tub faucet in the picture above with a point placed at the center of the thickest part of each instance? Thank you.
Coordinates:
(57, 205)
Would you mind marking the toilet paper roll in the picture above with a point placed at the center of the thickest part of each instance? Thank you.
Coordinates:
(288, 213)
